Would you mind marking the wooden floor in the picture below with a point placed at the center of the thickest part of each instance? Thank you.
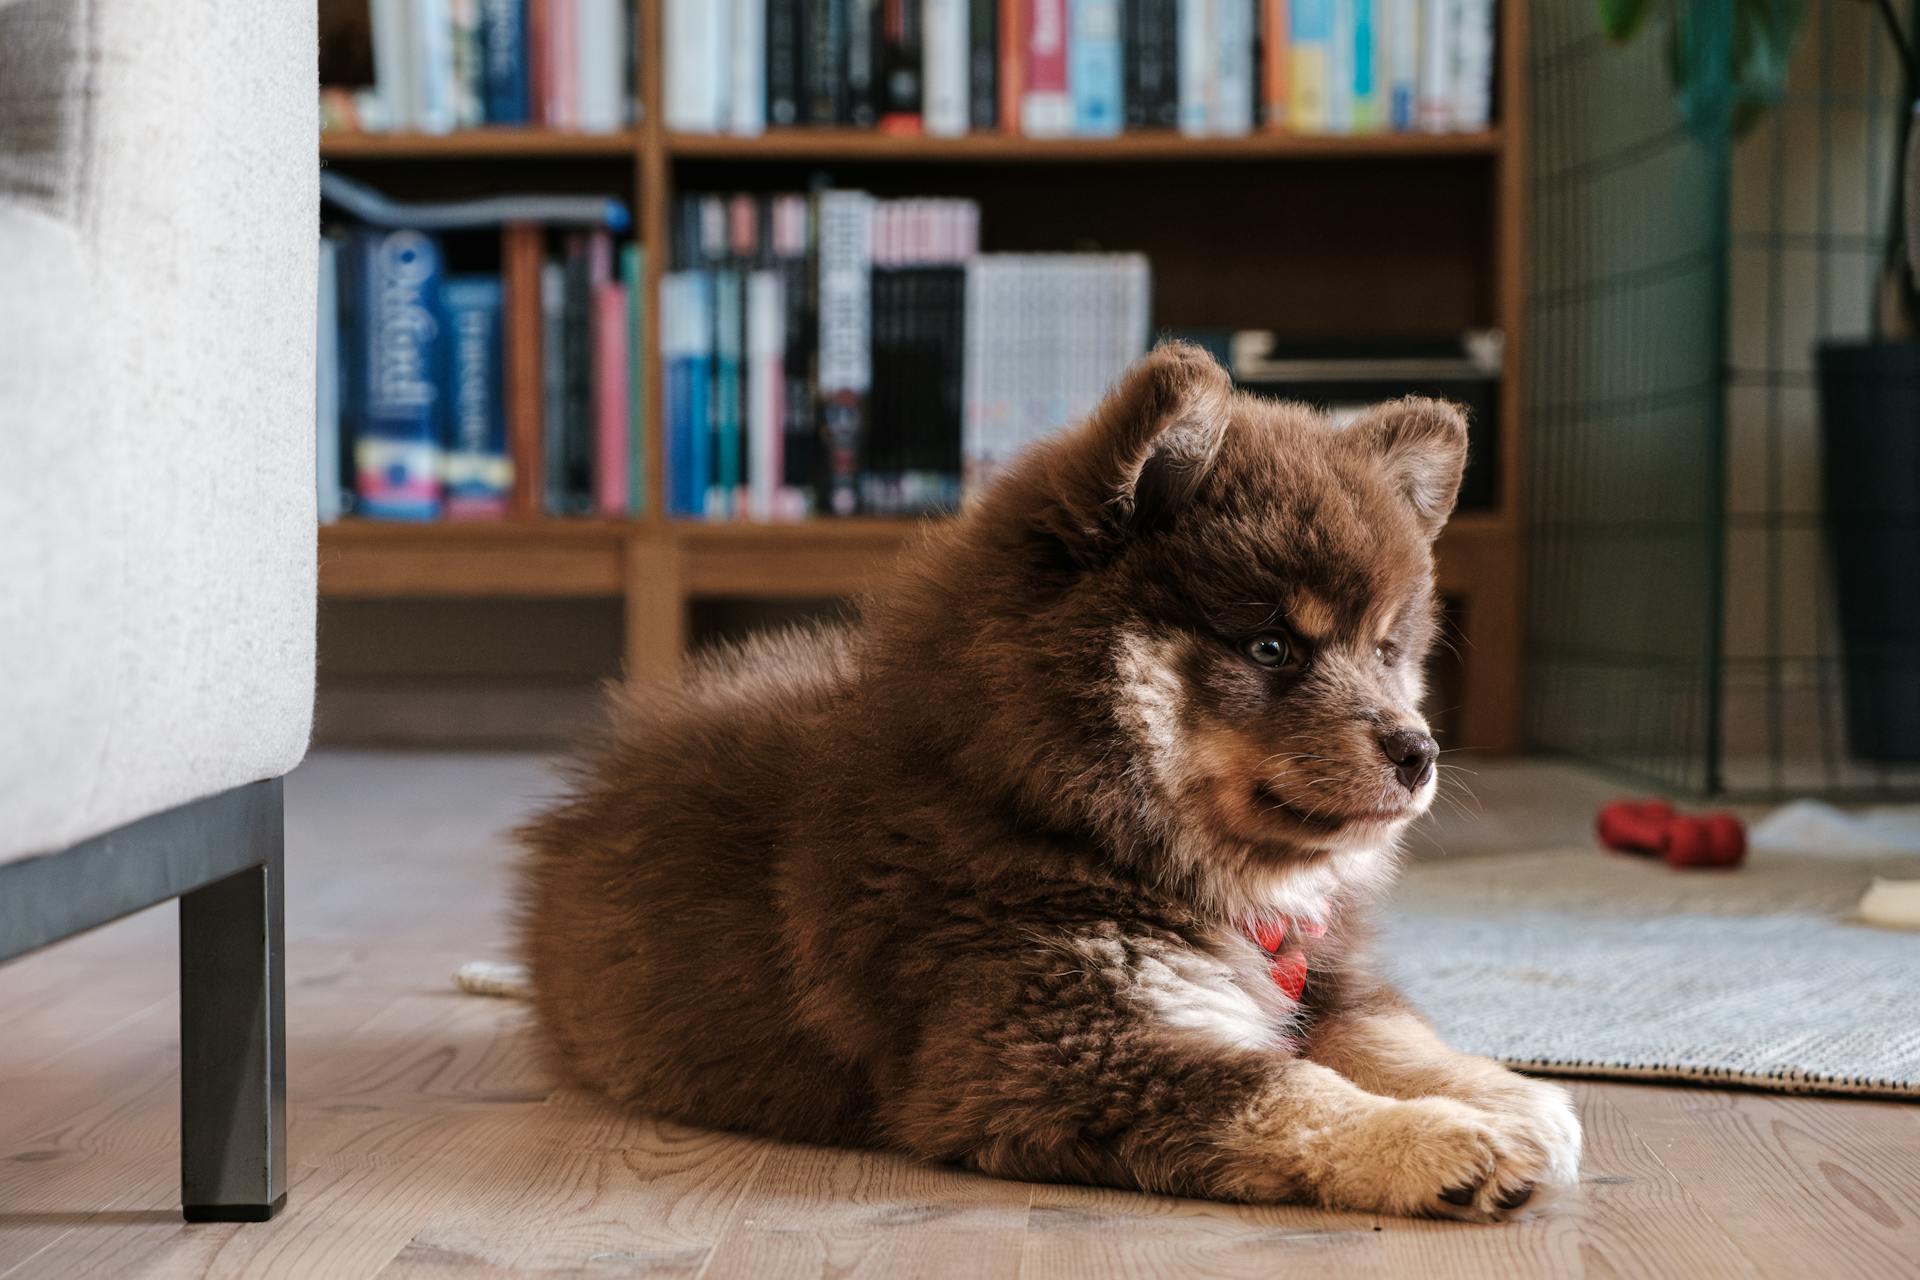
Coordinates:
(426, 1141)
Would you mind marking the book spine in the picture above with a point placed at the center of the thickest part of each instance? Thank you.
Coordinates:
(520, 259)
(846, 369)
(393, 69)
(901, 46)
(982, 59)
(1195, 77)
(633, 274)
(1012, 88)
(1402, 39)
(1340, 69)
(1046, 107)
(782, 23)
(326, 458)
(476, 472)
(1369, 105)
(1094, 68)
(397, 451)
(866, 94)
(553, 388)
(1312, 34)
(562, 89)
(944, 51)
(800, 448)
(468, 73)
(1434, 109)
(699, 392)
(600, 58)
(503, 55)
(538, 72)
(1473, 64)
(825, 70)
(765, 378)
(434, 109)
(724, 481)
(747, 92)
(695, 52)
(612, 472)
(1276, 53)
(1232, 110)
(1152, 89)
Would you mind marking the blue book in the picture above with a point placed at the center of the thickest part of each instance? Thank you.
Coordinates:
(503, 61)
(402, 356)
(477, 474)
(1094, 68)
(729, 319)
(687, 296)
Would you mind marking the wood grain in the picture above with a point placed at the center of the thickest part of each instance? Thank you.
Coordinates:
(428, 1139)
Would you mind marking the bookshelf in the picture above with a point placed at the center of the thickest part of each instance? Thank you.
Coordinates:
(1396, 232)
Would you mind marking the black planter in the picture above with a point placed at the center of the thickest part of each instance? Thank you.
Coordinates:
(1870, 407)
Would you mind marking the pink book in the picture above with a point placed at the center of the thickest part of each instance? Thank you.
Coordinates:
(1046, 108)
(610, 448)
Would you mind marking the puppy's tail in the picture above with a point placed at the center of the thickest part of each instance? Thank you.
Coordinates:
(491, 978)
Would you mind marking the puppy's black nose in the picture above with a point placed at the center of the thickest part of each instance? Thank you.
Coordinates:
(1411, 753)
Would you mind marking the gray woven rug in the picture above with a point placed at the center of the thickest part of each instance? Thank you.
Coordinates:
(1577, 962)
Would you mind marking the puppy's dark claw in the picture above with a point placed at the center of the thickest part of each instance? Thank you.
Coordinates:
(1462, 1196)
(1517, 1197)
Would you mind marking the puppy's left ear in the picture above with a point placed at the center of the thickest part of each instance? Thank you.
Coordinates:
(1421, 445)
(1141, 454)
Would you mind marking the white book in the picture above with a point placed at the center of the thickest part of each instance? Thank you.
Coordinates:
(1401, 33)
(1196, 65)
(393, 69)
(468, 73)
(943, 67)
(327, 388)
(1340, 69)
(1473, 64)
(747, 69)
(600, 42)
(431, 41)
(845, 357)
(766, 382)
(1437, 28)
(1233, 40)
(695, 40)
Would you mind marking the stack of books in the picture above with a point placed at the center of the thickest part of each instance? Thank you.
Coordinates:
(836, 354)
(441, 65)
(1085, 68)
(427, 337)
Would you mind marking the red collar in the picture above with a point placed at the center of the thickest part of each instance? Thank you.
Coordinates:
(1287, 964)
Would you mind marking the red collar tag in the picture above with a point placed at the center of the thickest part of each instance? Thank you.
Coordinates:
(1287, 965)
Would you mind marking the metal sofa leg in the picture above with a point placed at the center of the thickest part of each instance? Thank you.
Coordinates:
(233, 1075)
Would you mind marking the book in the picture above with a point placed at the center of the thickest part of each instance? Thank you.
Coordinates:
(1012, 88)
(1473, 64)
(790, 238)
(687, 337)
(747, 67)
(398, 423)
(553, 388)
(393, 62)
(1046, 107)
(900, 50)
(845, 361)
(865, 92)
(1434, 104)
(1152, 90)
(823, 82)
(1094, 73)
(695, 36)
(612, 453)
(765, 389)
(1369, 100)
(599, 65)
(1402, 38)
(430, 41)
(522, 253)
(1339, 85)
(782, 26)
(982, 63)
(1276, 54)
(944, 49)
(1231, 112)
(1310, 40)
(328, 501)
(503, 58)
(1197, 68)
(562, 107)
(476, 472)
(468, 74)
(633, 274)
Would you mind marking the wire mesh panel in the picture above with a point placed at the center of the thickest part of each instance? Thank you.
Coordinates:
(1625, 426)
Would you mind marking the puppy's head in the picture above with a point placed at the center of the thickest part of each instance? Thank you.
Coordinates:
(1240, 595)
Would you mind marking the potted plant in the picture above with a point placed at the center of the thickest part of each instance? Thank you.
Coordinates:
(1728, 60)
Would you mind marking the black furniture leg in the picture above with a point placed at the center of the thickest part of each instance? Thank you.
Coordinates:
(233, 1075)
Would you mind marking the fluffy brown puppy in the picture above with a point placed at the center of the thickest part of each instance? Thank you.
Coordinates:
(1054, 864)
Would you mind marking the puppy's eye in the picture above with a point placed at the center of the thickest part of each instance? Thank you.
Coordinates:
(1386, 651)
(1270, 649)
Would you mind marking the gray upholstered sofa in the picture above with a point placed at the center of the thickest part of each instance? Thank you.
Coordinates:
(158, 229)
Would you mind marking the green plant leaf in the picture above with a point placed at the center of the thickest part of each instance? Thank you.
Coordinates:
(1622, 19)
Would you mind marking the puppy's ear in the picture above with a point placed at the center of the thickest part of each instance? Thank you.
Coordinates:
(1140, 455)
(1421, 445)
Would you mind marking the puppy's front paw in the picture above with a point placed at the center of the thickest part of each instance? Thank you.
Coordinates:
(1539, 1118)
(1438, 1157)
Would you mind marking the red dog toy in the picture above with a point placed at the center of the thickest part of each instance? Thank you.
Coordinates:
(1652, 828)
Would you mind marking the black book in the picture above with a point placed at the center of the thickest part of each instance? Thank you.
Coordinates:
(576, 437)
(823, 81)
(983, 63)
(900, 64)
(791, 240)
(863, 63)
(783, 62)
(1152, 62)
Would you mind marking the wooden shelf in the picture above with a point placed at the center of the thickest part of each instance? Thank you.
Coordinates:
(864, 145)
(479, 144)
